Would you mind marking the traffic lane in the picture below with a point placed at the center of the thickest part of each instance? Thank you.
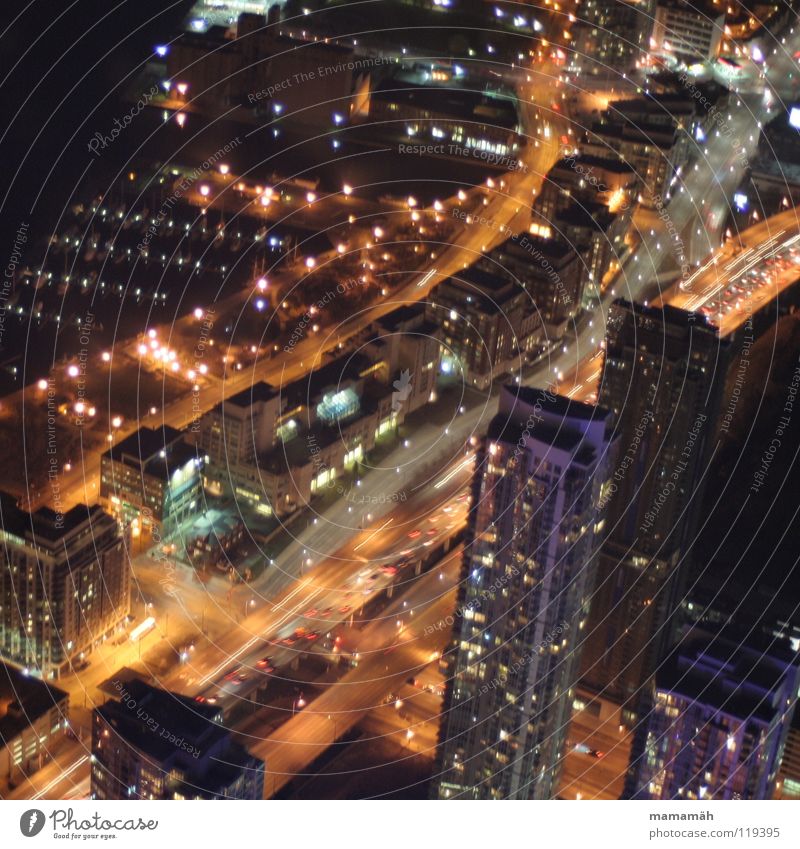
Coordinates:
(292, 747)
(333, 584)
(69, 767)
(307, 631)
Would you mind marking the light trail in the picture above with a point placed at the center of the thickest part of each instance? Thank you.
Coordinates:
(376, 531)
(65, 774)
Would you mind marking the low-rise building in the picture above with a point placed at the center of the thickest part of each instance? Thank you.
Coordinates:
(410, 344)
(302, 437)
(153, 744)
(33, 717)
(457, 119)
(590, 179)
(152, 480)
(250, 68)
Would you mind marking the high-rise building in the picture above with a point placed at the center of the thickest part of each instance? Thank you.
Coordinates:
(527, 576)
(654, 134)
(613, 37)
(659, 382)
(153, 744)
(64, 585)
(689, 32)
(485, 319)
(720, 718)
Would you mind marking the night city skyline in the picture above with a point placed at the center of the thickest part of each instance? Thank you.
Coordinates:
(398, 401)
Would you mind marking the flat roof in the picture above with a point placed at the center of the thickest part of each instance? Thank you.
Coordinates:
(156, 451)
(23, 699)
(261, 391)
(44, 523)
(145, 443)
(467, 104)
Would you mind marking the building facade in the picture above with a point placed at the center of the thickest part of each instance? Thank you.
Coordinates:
(721, 715)
(528, 571)
(653, 134)
(64, 585)
(33, 717)
(487, 322)
(659, 382)
(613, 37)
(152, 479)
(548, 270)
(152, 744)
(276, 450)
(689, 32)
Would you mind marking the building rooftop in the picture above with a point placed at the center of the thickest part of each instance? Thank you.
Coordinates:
(44, 524)
(218, 760)
(556, 250)
(157, 452)
(568, 425)
(308, 390)
(595, 216)
(666, 315)
(466, 104)
(145, 443)
(254, 394)
(297, 452)
(23, 699)
(402, 316)
(489, 286)
(734, 671)
(603, 163)
(558, 405)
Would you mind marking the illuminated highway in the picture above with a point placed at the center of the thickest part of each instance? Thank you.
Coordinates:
(744, 275)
